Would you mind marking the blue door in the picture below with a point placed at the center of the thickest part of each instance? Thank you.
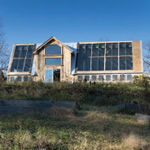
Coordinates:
(48, 75)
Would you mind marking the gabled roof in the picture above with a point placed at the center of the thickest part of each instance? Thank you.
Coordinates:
(49, 40)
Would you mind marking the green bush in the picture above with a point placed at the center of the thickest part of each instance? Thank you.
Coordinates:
(94, 94)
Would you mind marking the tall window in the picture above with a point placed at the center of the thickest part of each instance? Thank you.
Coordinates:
(126, 56)
(98, 51)
(22, 58)
(84, 57)
(111, 56)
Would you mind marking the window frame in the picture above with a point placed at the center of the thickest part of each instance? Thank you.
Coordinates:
(82, 78)
(106, 78)
(18, 58)
(53, 64)
(127, 77)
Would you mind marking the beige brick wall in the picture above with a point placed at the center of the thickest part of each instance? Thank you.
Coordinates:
(137, 58)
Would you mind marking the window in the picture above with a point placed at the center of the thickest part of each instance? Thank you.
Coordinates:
(19, 78)
(108, 77)
(26, 78)
(22, 58)
(93, 77)
(86, 62)
(97, 63)
(112, 49)
(84, 57)
(129, 77)
(101, 77)
(126, 63)
(115, 77)
(116, 56)
(122, 77)
(125, 49)
(11, 79)
(52, 61)
(53, 50)
(98, 50)
(80, 78)
(87, 78)
(112, 63)
(111, 56)
(27, 65)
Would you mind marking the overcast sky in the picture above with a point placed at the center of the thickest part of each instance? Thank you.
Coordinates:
(34, 21)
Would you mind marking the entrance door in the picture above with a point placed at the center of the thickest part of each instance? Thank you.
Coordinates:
(48, 75)
(56, 75)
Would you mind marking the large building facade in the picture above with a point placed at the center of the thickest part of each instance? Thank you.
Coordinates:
(83, 61)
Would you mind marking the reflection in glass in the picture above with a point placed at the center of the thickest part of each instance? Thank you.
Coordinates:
(52, 61)
(53, 50)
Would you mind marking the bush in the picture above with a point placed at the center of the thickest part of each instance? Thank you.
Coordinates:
(95, 94)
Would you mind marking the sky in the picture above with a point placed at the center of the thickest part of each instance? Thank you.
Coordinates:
(35, 21)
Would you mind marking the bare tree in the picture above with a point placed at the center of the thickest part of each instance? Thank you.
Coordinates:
(146, 56)
(4, 52)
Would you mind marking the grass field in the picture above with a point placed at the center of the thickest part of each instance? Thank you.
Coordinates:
(97, 126)
(91, 128)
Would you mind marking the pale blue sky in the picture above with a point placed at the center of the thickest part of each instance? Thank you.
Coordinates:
(34, 21)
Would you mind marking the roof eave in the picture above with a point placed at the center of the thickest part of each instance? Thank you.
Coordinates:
(52, 38)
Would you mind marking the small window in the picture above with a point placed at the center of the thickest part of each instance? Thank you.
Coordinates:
(108, 77)
(19, 78)
(115, 77)
(129, 77)
(52, 61)
(93, 77)
(101, 77)
(122, 77)
(12, 79)
(53, 50)
(26, 78)
(80, 78)
(86, 78)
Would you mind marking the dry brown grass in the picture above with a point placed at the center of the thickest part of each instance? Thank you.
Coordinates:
(134, 141)
(92, 129)
(61, 112)
(23, 139)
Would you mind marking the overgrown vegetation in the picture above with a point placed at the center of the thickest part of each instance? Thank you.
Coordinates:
(91, 128)
(90, 93)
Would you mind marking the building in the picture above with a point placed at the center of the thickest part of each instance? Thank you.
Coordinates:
(83, 61)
